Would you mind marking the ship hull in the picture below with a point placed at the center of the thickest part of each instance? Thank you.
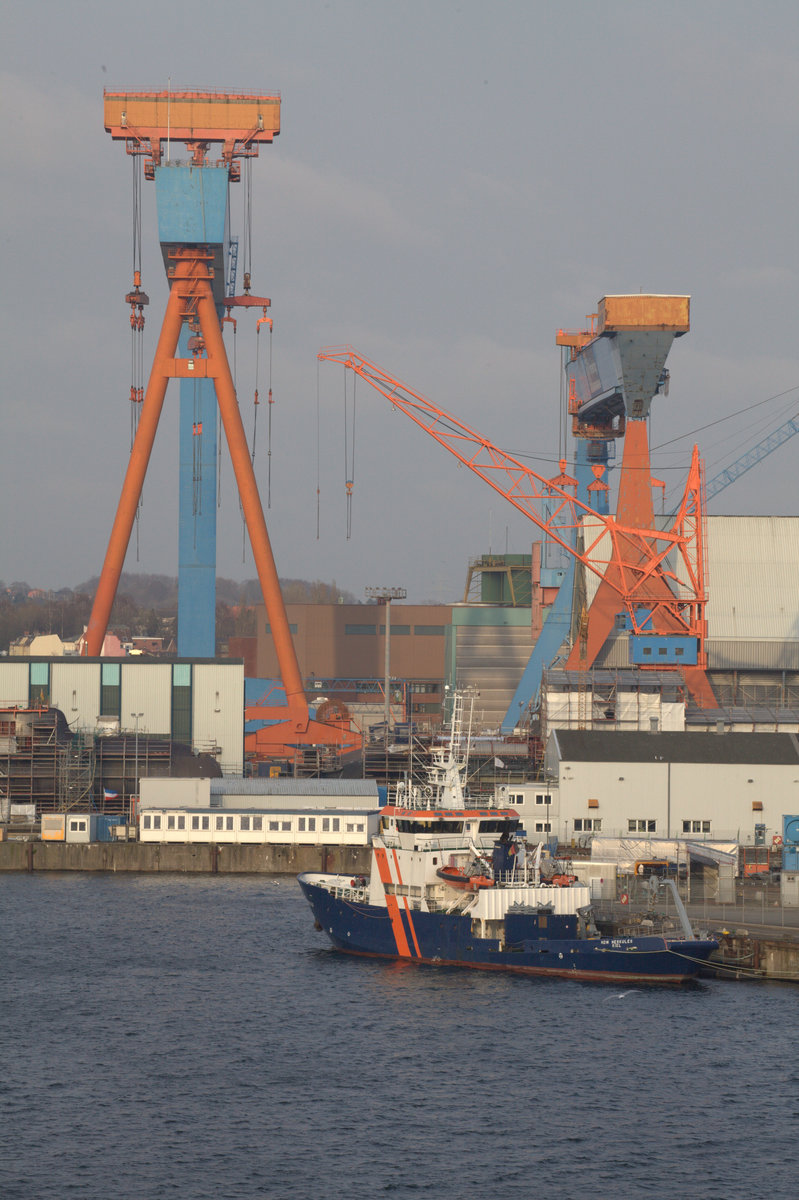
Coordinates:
(446, 939)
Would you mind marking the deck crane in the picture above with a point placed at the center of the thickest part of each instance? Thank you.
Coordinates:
(654, 577)
(194, 232)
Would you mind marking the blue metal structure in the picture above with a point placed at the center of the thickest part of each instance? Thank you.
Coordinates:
(752, 457)
(193, 209)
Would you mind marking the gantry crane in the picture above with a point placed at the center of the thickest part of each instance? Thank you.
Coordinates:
(193, 221)
(654, 578)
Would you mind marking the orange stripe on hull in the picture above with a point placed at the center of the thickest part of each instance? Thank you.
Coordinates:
(403, 949)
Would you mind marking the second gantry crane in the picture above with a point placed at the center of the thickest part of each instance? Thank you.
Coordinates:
(653, 578)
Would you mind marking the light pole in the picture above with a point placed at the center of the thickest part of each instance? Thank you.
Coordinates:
(384, 596)
(136, 718)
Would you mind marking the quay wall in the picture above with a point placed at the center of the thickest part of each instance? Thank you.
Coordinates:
(227, 859)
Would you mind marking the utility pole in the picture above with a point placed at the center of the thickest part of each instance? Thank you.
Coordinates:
(384, 596)
(136, 718)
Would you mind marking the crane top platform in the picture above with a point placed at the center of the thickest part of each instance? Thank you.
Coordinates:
(239, 120)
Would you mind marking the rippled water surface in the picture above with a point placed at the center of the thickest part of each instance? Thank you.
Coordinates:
(196, 1038)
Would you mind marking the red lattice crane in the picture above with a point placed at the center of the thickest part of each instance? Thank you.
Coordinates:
(655, 577)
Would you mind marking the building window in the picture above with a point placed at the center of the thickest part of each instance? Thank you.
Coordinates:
(146, 821)
(110, 689)
(156, 822)
(181, 702)
(257, 823)
(170, 821)
(325, 824)
(336, 824)
(543, 827)
(641, 825)
(397, 630)
(285, 826)
(195, 822)
(301, 824)
(274, 826)
(429, 630)
(245, 824)
(39, 684)
(360, 629)
(350, 826)
(206, 822)
(220, 822)
(696, 826)
(359, 826)
(181, 822)
(312, 824)
(544, 798)
(228, 823)
(587, 824)
(268, 628)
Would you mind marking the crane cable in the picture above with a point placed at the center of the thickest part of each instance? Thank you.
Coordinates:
(318, 450)
(137, 300)
(349, 450)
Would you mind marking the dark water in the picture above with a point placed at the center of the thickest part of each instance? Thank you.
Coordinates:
(195, 1038)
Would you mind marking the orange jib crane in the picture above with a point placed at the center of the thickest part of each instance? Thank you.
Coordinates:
(655, 577)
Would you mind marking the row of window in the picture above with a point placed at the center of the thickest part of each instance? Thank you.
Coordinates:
(518, 798)
(587, 824)
(637, 825)
(111, 693)
(246, 824)
(396, 630)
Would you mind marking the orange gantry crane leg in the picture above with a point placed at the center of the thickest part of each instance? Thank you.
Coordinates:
(191, 299)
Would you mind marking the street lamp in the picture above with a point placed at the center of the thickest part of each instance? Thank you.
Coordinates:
(384, 596)
(136, 719)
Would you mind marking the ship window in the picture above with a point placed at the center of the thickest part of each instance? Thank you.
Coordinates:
(258, 823)
(498, 826)
(408, 826)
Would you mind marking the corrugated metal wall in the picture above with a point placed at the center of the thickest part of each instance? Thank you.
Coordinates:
(492, 659)
(147, 689)
(75, 689)
(218, 717)
(14, 683)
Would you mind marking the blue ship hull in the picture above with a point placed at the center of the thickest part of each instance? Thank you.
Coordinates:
(447, 939)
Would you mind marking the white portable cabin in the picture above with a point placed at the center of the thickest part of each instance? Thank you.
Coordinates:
(81, 827)
(273, 826)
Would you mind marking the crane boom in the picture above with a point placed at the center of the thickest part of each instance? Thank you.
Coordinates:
(752, 457)
(659, 570)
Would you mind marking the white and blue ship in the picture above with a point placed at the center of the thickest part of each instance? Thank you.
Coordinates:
(450, 884)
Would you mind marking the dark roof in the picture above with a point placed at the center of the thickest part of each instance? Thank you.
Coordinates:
(582, 745)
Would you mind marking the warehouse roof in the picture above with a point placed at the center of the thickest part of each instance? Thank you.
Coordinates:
(582, 745)
(230, 786)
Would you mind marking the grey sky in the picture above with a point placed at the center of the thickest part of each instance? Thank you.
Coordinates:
(453, 182)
